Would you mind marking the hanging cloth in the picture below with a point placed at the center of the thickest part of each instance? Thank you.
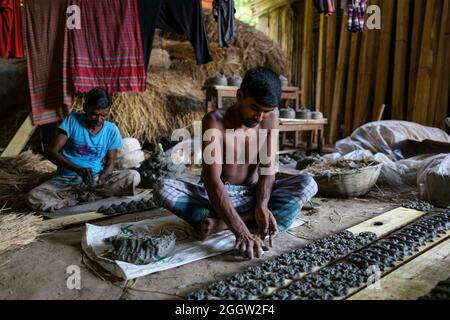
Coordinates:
(11, 44)
(331, 7)
(44, 34)
(177, 16)
(107, 51)
(224, 15)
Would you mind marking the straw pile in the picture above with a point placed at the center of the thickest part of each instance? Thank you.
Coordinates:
(18, 230)
(21, 174)
(174, 98)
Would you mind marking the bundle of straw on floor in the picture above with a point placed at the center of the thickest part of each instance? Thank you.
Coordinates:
(18, 230)
(18, 175)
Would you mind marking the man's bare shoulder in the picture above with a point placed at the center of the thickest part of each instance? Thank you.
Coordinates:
(214, 119)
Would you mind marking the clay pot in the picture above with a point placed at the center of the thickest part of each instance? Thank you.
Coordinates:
(284, 81)
(304, 114)
(316, 115)
(235, 81)
(287, 113)
(219, 80)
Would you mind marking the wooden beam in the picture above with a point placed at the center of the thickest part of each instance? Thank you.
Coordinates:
(20, 139)
(414, 279)
(417, 35)
(401, 48)
(382, 73)
(337, 108)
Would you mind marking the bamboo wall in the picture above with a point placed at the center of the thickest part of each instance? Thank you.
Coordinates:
(405, 65)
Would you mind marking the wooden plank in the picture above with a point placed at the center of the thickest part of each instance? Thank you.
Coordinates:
(351, 84)
(384, 224)
(306, 68)
(440, 78)
(337, 107)
(80, 219)
(414, 279)
(20, 139)
(417, 28)
(427, 58)
(382, 73)
(401, 48)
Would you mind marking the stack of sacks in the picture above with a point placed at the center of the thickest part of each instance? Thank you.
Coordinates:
(131, 155)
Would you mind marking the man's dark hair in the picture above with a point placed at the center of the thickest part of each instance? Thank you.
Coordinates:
(98, 99)
(263, 85)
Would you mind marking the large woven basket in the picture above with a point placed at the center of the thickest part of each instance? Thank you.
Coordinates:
(352, 183)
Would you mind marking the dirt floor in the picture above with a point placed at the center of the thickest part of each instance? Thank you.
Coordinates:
(39, 271)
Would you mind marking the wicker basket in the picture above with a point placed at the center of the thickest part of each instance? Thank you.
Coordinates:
(352, 183)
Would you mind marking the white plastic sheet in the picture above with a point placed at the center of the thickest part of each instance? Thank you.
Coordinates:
(382, 136)
(188, 248)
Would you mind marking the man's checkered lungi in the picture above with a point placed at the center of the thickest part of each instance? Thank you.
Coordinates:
(190, 201)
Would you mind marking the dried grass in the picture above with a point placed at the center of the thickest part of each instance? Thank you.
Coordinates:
(18, 230)
(20, 174)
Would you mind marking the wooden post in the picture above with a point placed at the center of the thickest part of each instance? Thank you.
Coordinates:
(320, 86)
(330, 65)
(20, 139)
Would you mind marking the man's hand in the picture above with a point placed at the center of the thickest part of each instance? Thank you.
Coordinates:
(249, 245)
(267, 225)
(86, 174)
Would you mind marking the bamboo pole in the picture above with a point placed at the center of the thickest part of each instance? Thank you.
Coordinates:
(401, 47)
(416, 42)
(306, 75)
(427, 58)
(339, 87)
(440, 83)
(330, 65)
(365, 76)
(351, 84)
(384, 55)
(320, 82)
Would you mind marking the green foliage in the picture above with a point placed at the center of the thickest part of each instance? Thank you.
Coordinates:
(244, 12)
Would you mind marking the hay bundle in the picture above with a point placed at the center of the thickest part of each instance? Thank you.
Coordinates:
(18, 230)
(20, 174)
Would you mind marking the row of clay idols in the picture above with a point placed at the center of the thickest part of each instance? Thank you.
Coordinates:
(304, 114)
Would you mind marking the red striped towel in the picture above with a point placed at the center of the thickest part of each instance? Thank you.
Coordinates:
(43, 30)
(107, 51)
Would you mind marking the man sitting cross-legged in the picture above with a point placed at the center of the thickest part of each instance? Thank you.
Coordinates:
(233, 193)
(84, 150)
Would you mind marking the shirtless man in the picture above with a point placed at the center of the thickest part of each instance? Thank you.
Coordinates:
(232, 194)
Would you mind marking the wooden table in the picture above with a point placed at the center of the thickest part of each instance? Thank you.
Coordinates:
(310, 126)
(217, 93)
